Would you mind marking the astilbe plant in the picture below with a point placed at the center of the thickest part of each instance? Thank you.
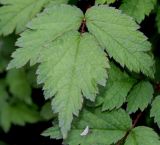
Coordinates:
(95, 65)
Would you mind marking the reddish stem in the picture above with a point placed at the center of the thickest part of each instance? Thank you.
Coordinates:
(83, 25)
(136, 119)
(133, 125)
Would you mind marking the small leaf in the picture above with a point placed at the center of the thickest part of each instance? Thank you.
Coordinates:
(19, 85)
(18, 114)
(74, 68)
(56, 2)
(117, 88)
(53, 132)
(104, 128)
(117, 33)
(46, 111)
(140, 96)
(142, 136)
(104, 1)
(155, 110)
(138, 9)
(15, 14)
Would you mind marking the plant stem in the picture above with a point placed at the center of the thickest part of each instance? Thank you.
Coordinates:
(133, 125)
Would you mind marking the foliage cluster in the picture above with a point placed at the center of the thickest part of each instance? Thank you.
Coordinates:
(95, 66)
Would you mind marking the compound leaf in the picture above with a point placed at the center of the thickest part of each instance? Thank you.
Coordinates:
(155, 110)
(142, 136)
(117, 88)
(75, 67)
(104, 128)
(44, 29)
(140, 96)
(117, 33)
(138, 9)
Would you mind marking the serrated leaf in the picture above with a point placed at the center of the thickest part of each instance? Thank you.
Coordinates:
(155, 110)
(104, 1)
(19, 85)
(75, 67)
(47, 27)
(117, 33)
(158, 19)
(138, 9)
(140, 96)
(53, 132)
(84, 67)
(56, 2)
(142, 136)
(104, 128)
(15, 14)
(117, 88)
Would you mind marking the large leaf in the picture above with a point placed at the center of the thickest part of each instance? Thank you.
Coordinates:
(140, 96)
(44, 29)
(117, 33)
(138, 9)
(155, 110)
(117, 88)
(142, 136)
(73, 68)
(72, 64)
(104, 128)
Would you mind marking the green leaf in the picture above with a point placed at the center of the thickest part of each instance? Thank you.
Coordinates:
(117, 88)
(56, 2)
(43, 30)
(104, 128)
(155, 110)
(15, 14)
(17, 114)
(138, 9)
(3, 143)
(74, 68)
(13, 111)
(158, 19)
(140, 96)
(104, 1)
(19, 85)
(3, 93)
(53, 132)
(46, 111)
(72, 64)
(117, 33)
(142, 136)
